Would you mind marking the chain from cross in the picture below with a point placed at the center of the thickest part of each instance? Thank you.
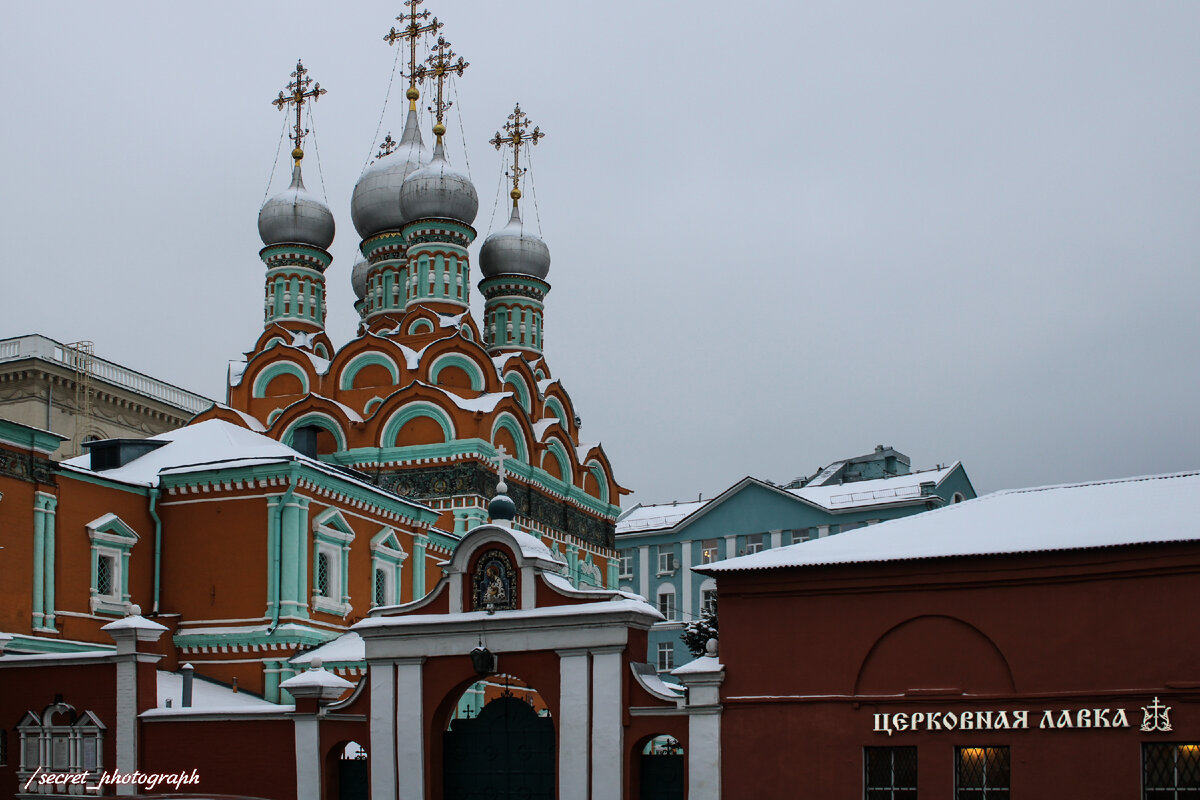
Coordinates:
(441, 66)
(388, 146)
(500, 457)
(297, 93)
(413, 31)
(514, 136)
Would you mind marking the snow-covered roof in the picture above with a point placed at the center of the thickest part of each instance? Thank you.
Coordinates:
(206, 695)
(1140, 510)
(656, 517)
(875, 492)
(347, 648)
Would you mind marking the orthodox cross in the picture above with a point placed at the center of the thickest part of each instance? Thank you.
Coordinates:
(412, 32)
(515, 134)
(500, 457)
(298, 93)
(440, 67)
(388, 146)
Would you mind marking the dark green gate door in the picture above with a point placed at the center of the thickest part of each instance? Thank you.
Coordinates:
(662, 777)
(352, 779)
(505, 752)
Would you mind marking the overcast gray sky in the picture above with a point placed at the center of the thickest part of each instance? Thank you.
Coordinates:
(782, 233)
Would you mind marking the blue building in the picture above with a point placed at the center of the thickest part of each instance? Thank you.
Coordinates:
(659, 544)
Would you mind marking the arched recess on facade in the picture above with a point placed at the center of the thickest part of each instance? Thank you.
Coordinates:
(280, 379)
(457, 371)
(658, 766)
(934, 652)
(346, 771)
(557, 461)
(500, 717)
(331, 436)
(417, 422)
(595, 480)
(520, 387)
(507, 431)
(368, 369)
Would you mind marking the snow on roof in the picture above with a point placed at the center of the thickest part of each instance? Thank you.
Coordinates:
(251, 422)
(700, 665)
(656, 517)
(450, 321)
(543, 385)
(236, 370)
(206, 695)
(1156, 508)
(350, 413)
(619, 603)
(542, 425)
(874, 492)
(347, 648)
(503, 359)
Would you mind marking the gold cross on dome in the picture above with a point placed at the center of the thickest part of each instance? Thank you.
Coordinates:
(297, 93)
(413, 31)
(387, 147)
(441, 66)
(516, 133)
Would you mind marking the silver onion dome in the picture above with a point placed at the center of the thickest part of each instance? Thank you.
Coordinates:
(375, 205)
(514, 251)
(438, 191)
(358, 277)
(295, 216)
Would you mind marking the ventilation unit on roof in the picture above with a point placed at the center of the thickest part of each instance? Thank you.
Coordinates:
(113, 453)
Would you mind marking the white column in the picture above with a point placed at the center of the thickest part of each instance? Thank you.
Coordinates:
(574, 693)
(308, 758)
(127, 720)
(410, 741)
(608, 739)
(685, 605)
(731, 545)
(776, 538)
(644, 572)
(704, 754)
(383, 733)
(822, 531)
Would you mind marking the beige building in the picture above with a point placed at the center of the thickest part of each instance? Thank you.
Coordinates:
(65, 388)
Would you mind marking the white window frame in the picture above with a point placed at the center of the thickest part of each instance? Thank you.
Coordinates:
(667, 592)
(710, 551)
(111, 538)
(753, 545)
(708, 594)
(666, 559)
(332, 537)
(387, 554)
(625, 561)
(667, 649)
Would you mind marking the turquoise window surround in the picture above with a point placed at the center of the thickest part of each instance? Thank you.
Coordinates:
(112, 540)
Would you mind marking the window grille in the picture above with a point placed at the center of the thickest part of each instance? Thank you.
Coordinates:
(891, 773)
(104, 575)
(983, 773)
(323, 574)
(1170, 771)
(381, 598)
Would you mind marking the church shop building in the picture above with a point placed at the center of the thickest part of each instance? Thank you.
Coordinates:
(1031, 643)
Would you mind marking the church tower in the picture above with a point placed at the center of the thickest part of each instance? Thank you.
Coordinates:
(514, 262)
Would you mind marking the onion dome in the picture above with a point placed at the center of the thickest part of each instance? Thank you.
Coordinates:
(514, 251)
(375, 205)
(501, 508)
(358, 277)
(295, 216)
(438, 191)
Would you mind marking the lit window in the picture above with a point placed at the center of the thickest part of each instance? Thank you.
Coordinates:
(626, 566)
(890, 773)
(754, 543)
(1170, 771)
(666, 559)
(709, 551)
(666, 656)
(666, 605)
(982, 773)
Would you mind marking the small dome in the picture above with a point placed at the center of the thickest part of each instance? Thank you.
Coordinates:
(358, 277)
(438, 191)
(295, 216)
(513, 251)
(375, 205)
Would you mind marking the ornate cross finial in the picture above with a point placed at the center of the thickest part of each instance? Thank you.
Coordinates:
(500, 457)
(515, 134)
(387, 147)
(441, 65)
(297, 93)
(412, 32)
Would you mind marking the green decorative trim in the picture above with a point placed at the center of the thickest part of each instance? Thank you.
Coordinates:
(275, 369)
(38, 644)
(411, 411)
(87, 477)
(289, 634)
(508, 422)
(320, 420)
(556, 449)
(515, 380)
(473, 370)
(355, 365)
(372, 404)
(555, 406)
(24, 436)
(295, 253)
(420, 326)
(597, 469)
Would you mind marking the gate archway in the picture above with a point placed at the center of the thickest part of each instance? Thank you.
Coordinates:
(506, 751)
(661, 769)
